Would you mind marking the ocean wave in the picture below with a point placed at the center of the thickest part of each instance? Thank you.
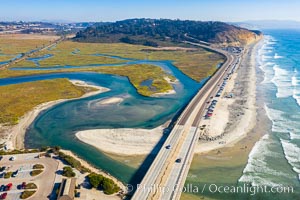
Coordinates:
(257, 167)
(294, 136)
(291, 152)
(280, 123)
(268, 72)
(282, 80)
(296, 89)
(276, 56)
(296, 96)
(295, 81)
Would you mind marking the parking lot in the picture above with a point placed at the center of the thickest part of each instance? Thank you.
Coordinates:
(23, 164)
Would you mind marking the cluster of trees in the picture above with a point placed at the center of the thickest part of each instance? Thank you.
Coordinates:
(68, 172)
(136, 30)
(73, 162)
(100, 182)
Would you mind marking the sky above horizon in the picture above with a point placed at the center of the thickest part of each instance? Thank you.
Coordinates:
(113, 10)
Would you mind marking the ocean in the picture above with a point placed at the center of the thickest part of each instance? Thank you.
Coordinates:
(270, 169)
(275, 158)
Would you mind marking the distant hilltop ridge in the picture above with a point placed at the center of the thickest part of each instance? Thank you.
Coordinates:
(160, 32)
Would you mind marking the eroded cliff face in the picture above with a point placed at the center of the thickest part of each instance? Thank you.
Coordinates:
(236, 37)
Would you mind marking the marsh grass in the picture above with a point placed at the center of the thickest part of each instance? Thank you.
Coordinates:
(196, 63)
(17, 99)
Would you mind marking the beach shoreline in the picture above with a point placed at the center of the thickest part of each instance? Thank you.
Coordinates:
(16, 133)
(236, 115)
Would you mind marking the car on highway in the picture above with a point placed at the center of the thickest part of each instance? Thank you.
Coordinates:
(3, 196)
(168, 147)
(178, 160)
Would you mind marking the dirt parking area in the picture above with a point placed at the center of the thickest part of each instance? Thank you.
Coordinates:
(23, 164)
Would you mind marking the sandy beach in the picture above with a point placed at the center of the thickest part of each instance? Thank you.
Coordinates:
(15, 134)
(123, 141)
(234, 117)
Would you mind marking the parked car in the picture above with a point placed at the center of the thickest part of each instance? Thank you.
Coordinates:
(4, 195)
(168, 146)
(12, 158)
(8, 187)
(2, 168)
(2, 188)
(15, 174)
(23, 185)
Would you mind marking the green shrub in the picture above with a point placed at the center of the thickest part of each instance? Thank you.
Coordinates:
(73, 162)
(8, 174)
(100, 182)
(38, 166)
(30, 186)
(68, 172)
(26, 194)
(36, 172)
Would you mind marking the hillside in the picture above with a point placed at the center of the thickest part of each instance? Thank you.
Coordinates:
(160, 32)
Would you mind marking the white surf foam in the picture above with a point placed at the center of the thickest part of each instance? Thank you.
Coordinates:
(294, 136)
(291, 152)
(282, 80)
(280, 123)
(257, 167)
(276, 56)
(267, 69)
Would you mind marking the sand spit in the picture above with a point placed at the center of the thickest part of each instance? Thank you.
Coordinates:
(14, 135)
(123, 141)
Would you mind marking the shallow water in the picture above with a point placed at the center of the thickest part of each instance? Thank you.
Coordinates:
(57, 125)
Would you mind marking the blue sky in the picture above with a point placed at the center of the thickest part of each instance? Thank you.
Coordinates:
(112, 10)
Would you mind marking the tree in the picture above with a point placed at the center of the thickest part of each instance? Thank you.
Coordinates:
(95, 179)
(68, 172)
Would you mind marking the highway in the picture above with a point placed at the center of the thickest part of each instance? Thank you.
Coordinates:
(165, 177)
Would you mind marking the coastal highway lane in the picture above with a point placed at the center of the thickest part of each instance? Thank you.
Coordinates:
(156, 174)
(177, 176)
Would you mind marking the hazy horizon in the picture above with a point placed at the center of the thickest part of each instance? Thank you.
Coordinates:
(106, 11)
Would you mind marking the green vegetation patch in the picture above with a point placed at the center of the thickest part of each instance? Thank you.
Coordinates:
(16, 151)
(100, 182)
(68, 172)
(27, 193)
(8, 175)
(197, 63)
(135, 73)
(73, 162)
(17, 99)
(70, 53)
(36, 172)
(30, 186)
(12, 45)
(38, 166)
